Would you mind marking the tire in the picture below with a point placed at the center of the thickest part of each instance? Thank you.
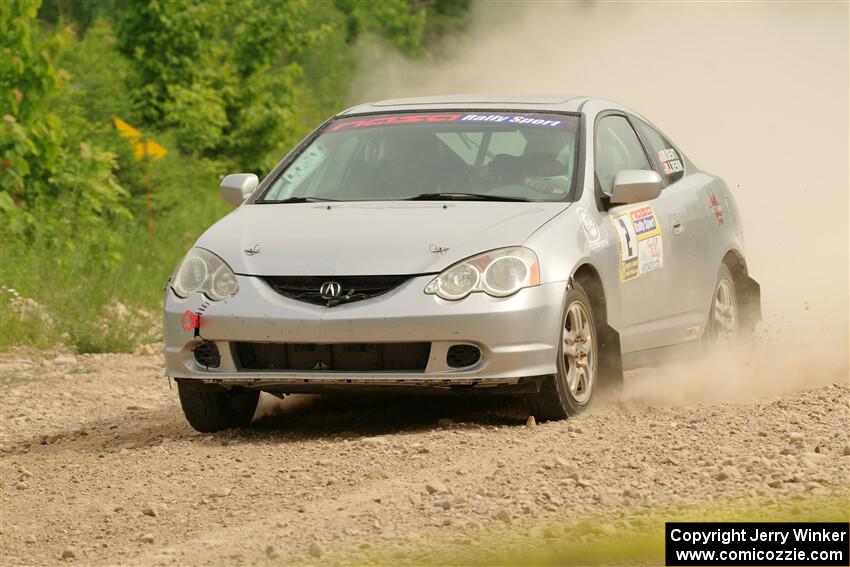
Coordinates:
(724, 317)
(556, 399)
(210, 408)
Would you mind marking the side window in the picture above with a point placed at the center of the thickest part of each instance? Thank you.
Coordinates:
(617, 148)
(668, 157)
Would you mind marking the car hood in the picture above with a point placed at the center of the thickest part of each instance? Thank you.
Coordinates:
(362, 239)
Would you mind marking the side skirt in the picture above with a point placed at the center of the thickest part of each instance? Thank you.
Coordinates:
(662, 355)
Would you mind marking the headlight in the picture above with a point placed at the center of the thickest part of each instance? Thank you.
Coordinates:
(498, 273)
(201, 271)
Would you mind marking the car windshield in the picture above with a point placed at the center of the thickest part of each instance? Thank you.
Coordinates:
(458, 155)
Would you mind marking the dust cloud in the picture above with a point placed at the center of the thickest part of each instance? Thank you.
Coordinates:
(756, 93)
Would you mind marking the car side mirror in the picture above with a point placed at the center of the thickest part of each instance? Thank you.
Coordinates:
(236, 187)
(635, 185)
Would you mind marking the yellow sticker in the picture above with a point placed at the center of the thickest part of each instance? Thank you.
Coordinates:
(639, 242)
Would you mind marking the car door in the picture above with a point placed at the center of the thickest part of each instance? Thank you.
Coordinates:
(689, 202)
(647, 269)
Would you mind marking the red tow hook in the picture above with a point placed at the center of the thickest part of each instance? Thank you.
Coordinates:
(191, 321)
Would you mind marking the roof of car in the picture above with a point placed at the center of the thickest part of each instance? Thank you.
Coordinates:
(542, 102)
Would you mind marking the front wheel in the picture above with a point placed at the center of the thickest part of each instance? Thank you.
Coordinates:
(209, 408)
(570, 391)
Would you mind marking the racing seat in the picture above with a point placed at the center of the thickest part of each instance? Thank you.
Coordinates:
(506, 169)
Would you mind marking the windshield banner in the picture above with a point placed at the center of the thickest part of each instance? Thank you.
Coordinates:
(500, 118)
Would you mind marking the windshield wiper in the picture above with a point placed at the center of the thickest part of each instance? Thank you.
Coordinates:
(295, 200)
(464, 197)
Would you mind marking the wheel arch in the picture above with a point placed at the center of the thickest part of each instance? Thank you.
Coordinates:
(747, 289)
(591, 282)
(610, 359)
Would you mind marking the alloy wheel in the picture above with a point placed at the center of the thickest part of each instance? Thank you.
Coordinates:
(579, 352)
(725, 311)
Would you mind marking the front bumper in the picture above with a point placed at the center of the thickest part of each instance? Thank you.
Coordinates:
(518, 336)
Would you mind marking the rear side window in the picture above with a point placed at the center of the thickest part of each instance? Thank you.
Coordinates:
(668, 157)
(617, 148)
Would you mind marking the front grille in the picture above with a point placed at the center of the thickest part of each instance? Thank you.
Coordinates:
(351, 288)
(354, 357)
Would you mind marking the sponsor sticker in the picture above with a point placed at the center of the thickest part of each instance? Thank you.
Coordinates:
(716, 208)
(591, 229)
(513, 119)
(650, 254)
(389, 120)
(588, 224)
(644, 221)
(639, 242)
(692, 333)
(670, 161)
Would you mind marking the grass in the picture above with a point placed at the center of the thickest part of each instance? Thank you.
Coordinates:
(633, 537)
(76, 291)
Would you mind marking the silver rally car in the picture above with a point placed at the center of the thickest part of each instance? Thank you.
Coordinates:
(526, 245)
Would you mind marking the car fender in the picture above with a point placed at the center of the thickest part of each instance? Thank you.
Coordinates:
(579, 236)
(728, 247)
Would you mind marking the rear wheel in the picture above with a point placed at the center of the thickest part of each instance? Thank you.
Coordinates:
(724, 319)
(571, 390)
(210, 408)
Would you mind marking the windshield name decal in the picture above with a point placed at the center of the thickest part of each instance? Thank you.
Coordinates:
(394, 119)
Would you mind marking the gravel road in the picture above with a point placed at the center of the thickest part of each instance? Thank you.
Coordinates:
(99, 466)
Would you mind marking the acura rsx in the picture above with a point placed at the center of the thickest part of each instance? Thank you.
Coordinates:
(526, 245)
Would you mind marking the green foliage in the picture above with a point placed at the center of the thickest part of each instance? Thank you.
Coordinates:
(445, 17)
(222, 79)
(401, 22)
(167, 41)
(44, 170)
(197, 115)
(98, 83)
(89, 233)
(83, 13)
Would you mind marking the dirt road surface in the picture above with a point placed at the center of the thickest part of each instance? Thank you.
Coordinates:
(99, 466)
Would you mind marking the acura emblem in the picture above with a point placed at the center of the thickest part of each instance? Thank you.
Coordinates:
(330, 289)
